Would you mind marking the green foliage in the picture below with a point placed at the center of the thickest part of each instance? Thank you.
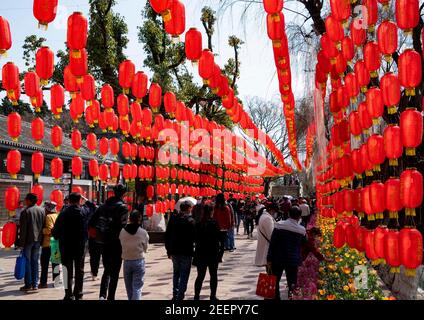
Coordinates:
(30, 47)
(22, 108)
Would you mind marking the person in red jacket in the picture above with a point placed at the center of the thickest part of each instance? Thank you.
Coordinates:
(223, 216)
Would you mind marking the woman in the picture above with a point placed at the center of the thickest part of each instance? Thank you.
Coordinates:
(51, 216)
(208, 252)
(134, 242)
(222, 214)
(264, 229)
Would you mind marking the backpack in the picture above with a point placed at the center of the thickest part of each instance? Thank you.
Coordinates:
(103, 228)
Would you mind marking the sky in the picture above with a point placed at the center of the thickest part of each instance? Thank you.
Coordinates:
(257, 76)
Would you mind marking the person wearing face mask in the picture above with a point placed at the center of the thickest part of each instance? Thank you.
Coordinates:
(265, 228)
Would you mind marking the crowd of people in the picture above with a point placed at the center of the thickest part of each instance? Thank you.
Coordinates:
(197, 234)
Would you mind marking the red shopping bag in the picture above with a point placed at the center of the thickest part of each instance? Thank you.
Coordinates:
(266, 286)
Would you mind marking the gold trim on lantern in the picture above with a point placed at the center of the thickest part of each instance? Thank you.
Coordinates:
(410, 151)
(393, 162)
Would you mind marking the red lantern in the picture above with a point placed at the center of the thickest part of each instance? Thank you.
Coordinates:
(108, 99)
(155, 97)
(37, 164)
(387, 38)
(410, 73)
(348, 49)
(391, 250)
(350, 236)
(126, 75)
(8, 235)
(104, 146)
(77, 33)
(114, 146)
(176, 25)
(12, 197)
(146, 117)
(193, 44)
(206, 63)
(57, 196)
(77, 166)
(91, 141)
(10, 81)
(5, 36)
(393, 146)
(339, 237)
(38, 190)
(150, 192)
(56, 168)
(44, 11)
(371, 16)
(376, 154)
(32, 85)
(390, 90)
(76, 140)
(340, 9)
(103, 172)
(170, 103)
(93, 169)
(392, 195)
(358, 32)
(377, 197)
(162, 7)
(329, 47)
(369, 245)
(44, 65)
(410, 249)
(114, 171)
(139, 85)
(14, 126)
(407, 14)
(374, 101)
(13, 163)
(57, 99)
(411, 126)
(379, 243)
(77, 107)
(334, 29)
(360, 238)
(411, 190)
(88, 88)
(364, 116)
(56, 137)
(351, 83)
(372, 58)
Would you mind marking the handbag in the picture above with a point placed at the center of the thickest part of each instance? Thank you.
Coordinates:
(20, 266)
(266, 286)
(55, 253)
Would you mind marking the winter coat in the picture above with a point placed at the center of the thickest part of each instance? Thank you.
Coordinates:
(264, 229)
(48, 227)
(31, 225)
(208, 243)
(224, 217)
(180, 236)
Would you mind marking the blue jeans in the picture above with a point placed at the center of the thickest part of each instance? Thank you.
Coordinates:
(134, 271)
(32, 255)
(229, 241)
(182, 267)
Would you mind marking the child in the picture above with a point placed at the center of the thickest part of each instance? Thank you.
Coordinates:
(134, 242)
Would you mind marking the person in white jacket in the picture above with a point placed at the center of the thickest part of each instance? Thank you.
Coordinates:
(264, 229)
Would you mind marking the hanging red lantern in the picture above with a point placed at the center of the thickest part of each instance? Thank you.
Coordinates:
(362, 75)
(411, 190)
(390, 90)
(37, 130)
(14, 125)
(155, 97)
(103, 172)
(57, 196)
(348, 49)
(76, 140)
(371, 16)
(32, 85)
(410, 249)
(77, 33)
(376, 153)
(12, 197)
(77, 107)
(377, 197)
(126, 75)
(88, 88)
(56, 137)
(146, 117)
(114, 171)
(114, 146)
(93, 169)
(411, 126)
(334, 29)
(206, 63)
(139, 85)
(364, 117)
(374, 101)
(162, 7)
(351, 84)
(329, 47)
(392, 197)
(387, 39)
(8, 235)
(37, 164)
(44, 11)
(5, 36)
(354, 124)
(358, 32)
(410, 74)
(77, 166)
(56, 168)
(407, 14)
(176, 25)
(340, 9)
(379, 243)
(57, 99)
(10, 81)
(360, 233)
(44, 65)
(393, 146)
(391, 250)
(369, 245)
(108, 99)
(123, 105)
(13, 163)
(104, 146)
(134, 151)
(193, 44)
(170, 103)
(357, 163)
(150, 192)
(339, 237)
(372, 57)
(91, 142)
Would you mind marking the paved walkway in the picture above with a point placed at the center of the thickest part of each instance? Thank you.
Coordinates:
(237, 277)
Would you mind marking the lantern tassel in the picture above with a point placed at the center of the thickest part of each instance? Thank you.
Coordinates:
(377, 168)
(166, 15)
(410, 151)
(410, 272)
(393, 214)
(395, 270)
(393, 162)
(410, 212)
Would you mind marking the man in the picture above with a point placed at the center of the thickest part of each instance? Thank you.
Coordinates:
(16, 219)
(230, 245)
(284, 252)
(306, 213)
(71, 231)
(108, 220)
(285, 207)
(179, 243)
(198, 209)
(31, 224)
(240, 216)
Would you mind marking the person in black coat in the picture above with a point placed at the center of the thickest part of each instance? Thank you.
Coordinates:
(208, 252)
(179, 243)
(71, 231)
(108, 221)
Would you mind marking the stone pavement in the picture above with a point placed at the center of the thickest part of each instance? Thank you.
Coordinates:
(237, 277)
